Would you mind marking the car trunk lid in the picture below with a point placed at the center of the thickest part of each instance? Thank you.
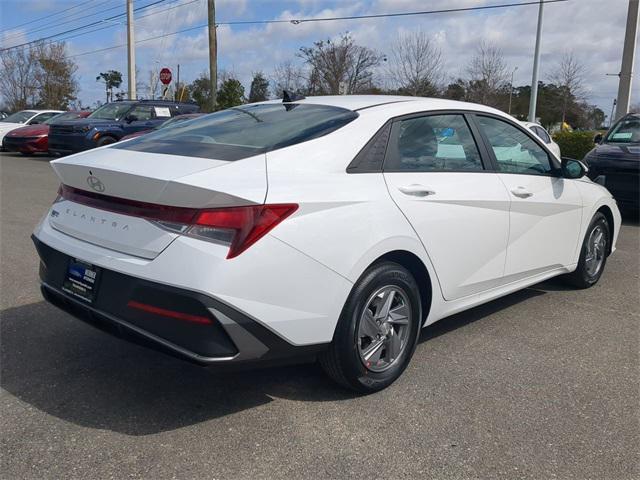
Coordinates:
(114, 191)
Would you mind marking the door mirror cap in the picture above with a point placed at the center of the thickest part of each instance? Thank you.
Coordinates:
(572, 168)
(598, 138)
(130, 118)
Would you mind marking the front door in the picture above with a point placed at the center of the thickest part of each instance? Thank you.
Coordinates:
(546, 209)
(460, 210)
(140, 118)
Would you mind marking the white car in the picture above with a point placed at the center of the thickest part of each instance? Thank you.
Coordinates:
(544, 136)
(333, 227)
(25, 117)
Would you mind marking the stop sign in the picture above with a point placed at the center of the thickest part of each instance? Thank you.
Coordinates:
(165, 76)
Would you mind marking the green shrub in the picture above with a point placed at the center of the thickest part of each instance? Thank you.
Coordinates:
(574, 144)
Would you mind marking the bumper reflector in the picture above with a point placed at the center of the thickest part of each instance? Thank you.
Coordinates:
(163, 312)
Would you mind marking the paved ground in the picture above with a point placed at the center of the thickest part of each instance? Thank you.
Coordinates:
(541, 384)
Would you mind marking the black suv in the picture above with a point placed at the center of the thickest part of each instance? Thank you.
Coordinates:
(111, 122)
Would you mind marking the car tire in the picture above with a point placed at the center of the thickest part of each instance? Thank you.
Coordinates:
(593, 254)
(346, 360)
(106, 140)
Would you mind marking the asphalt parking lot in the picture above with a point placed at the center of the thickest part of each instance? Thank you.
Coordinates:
(543, 383)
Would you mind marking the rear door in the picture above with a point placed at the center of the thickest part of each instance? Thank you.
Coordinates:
(436, 174)
(546, 209)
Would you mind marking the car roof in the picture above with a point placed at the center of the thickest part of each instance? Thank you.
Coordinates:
(532, 124)
(403, 104)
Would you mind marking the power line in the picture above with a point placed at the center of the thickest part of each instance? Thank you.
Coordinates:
(387, 15)
(71, 20)
(81, 27)
(329, 19)
(47, 16)
(115, 25)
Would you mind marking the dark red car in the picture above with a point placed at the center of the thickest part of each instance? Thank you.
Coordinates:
(35, 138)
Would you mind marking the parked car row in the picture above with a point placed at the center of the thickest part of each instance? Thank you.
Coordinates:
(60, 133)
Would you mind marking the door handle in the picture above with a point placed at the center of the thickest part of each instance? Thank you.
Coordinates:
(416, 190)
(522, 192)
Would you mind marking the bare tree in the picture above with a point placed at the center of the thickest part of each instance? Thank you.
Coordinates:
(287, 76)
(568, 76)
(416, 64)
(488, 74)
(341, 62)
(17, 82)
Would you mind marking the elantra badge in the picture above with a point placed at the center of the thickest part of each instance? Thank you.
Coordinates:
(95, 183)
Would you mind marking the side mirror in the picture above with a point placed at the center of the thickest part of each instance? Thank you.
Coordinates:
(130, 118)
(34, 122)
(572, 168)
(598, 138)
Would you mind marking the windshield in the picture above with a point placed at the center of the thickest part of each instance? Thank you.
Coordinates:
(62, 116)
(626, 130)
(111, 111)
(19, 117)
(244, 131)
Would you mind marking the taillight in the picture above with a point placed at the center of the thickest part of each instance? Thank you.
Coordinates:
(237, 227)
(240, 227)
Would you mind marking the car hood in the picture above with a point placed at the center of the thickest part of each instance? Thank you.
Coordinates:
(610, 151)
(29, 131)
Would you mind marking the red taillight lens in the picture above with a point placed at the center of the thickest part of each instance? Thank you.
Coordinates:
(243, 226)
(238, 227)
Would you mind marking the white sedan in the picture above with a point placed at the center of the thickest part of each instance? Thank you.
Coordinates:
(25, 117)
(544, 136)
(328, 227)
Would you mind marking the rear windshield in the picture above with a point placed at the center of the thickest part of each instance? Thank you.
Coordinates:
(244, 131)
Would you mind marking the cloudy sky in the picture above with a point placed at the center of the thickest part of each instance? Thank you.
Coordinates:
(592, 29)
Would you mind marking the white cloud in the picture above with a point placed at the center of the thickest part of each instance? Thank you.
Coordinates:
(593, 29)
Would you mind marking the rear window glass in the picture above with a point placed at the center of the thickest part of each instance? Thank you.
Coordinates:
(244, 131)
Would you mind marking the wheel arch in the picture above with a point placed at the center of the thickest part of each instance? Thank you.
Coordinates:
(608, 214)
(420, 273)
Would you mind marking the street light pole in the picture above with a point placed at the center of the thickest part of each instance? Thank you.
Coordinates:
(131, 52)
(628, 54)
(511, 89)
(536, 60)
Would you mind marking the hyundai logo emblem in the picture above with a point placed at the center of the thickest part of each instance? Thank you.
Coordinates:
(95, 183)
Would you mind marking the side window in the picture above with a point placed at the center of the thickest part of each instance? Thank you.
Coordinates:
(541, 132)
(43, 117)
(141, 113)
(433, 143)
(515, 151)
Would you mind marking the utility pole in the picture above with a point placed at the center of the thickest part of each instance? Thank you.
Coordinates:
(511, 89)
(131, 52)
(175, 93)
(536, 60)
(213, 52)
(628, 54)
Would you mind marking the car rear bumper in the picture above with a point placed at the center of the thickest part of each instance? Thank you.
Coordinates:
(231, 337)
